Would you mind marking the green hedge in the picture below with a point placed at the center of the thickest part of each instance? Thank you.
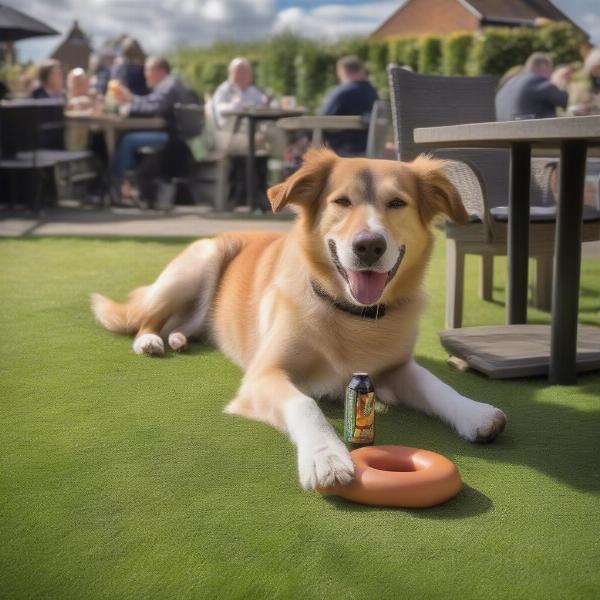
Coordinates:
(290, 64)
(455, 53)
(430, 55)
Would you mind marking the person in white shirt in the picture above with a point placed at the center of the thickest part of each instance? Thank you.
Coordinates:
(237, 92)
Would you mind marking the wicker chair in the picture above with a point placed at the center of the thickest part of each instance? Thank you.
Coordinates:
(380, 129)
(481, 176)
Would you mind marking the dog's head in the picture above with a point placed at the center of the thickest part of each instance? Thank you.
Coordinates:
(366, 223)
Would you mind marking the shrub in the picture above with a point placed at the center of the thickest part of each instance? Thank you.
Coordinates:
(377, 63)
(430, 55)
(562, 40)
(276, 71)
(405, 51)
(315, 73)
(455, 53)
(497, 50)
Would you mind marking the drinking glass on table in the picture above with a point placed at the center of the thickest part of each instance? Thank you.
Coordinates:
(288, 102)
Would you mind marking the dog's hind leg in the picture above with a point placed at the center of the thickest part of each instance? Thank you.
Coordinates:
(186, 287)
(210, 259)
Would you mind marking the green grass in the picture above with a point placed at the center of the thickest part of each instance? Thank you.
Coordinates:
(121, 477)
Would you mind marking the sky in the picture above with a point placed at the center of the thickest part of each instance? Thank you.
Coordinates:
(162, 25)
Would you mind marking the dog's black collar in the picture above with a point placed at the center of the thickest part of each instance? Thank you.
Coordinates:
(375, 312)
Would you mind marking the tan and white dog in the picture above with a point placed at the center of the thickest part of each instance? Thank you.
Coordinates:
(300, 312)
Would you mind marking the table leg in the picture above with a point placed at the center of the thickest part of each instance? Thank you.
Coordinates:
(567, 263)
(317, 137)
(110, 138)
(518, 232)
(250, 164)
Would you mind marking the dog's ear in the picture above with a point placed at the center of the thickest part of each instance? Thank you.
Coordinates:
(305, 185)
(437, 193)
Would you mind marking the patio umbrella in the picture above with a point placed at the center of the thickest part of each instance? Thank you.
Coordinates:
(14, 25)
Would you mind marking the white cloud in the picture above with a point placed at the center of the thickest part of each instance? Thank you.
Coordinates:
(333, 20)
(161, 25)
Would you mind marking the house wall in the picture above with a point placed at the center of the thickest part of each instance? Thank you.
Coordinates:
(420, 17)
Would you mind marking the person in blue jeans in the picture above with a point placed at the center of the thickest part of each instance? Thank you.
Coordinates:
(167, 91)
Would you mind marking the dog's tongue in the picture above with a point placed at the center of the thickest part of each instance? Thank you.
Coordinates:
(367, 286)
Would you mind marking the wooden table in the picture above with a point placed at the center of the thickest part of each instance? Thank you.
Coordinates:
(573, 136)
(111, 125)
(253, 115)
(320, 123)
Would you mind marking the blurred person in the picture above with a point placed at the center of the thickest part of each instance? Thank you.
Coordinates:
(355, 95)
(51, 82)
(129, 69)
(78, 99)
(535, 92)
(237, 91)
(167, 91)
(512, 72)
(78, 90)
(584, 92)
(99, 69)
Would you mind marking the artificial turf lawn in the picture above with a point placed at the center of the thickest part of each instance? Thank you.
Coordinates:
(121, 477)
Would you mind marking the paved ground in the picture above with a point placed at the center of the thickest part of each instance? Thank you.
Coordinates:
(185, 221)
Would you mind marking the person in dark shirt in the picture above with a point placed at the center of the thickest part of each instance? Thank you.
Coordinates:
(535, 92)
(130, 70)
(167, 91)
(353, 96)
(51, 81)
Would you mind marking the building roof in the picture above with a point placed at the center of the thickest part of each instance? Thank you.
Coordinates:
(504, 12)
(74, 50)
(519, 11)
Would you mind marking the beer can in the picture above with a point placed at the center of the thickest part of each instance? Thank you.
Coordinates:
(359, 416)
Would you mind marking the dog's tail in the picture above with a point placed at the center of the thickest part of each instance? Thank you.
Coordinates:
(120, 318)
(183, 291)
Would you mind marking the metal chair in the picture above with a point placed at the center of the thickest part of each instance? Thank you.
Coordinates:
(31, 144)
(481, 177)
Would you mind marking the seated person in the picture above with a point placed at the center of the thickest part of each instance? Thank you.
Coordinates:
(353, 96)
(237, 91)
(99, 69)
(535, 92)
(167, 91)
(78, 90)
(50, 81)
(129, 70)
(584, 92)
(78, 99)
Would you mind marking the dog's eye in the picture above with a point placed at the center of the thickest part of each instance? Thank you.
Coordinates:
(343, 201)
(396, 203)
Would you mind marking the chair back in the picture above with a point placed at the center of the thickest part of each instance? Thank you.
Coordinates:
(432, 100)
(189, 121)
(380, 125)
(480, 175)
(28, 125)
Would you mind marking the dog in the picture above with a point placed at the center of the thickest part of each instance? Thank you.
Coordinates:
(300, 312)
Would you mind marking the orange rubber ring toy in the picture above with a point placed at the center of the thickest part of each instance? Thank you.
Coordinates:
(399, 476)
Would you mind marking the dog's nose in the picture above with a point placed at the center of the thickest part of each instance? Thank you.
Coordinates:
(368, 247)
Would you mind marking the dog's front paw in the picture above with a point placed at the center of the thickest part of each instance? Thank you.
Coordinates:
(324, 463)
(481, 423)
(149, 343)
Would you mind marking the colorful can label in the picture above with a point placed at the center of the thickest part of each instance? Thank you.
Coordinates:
(359, 422)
